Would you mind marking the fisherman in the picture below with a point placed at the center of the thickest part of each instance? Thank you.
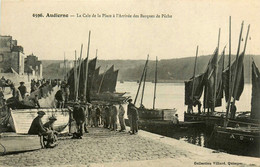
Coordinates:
(106, 123)
(129, 114)
(111, 123)
(22, 89)
(2, 96)
(102, 114)
(197, 102)
(175, 119)
(67, 93)
(135, 118)
(37, 128)
(233, 110)
(59, 96)
(49, 126)
(98, 115)
(3, 83)
(114, 117)
(16, 93)
(93, 117)
(121, 118)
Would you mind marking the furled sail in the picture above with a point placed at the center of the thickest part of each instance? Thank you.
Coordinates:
(209, 80)
(255, 101)
(198, 89)
(239, 80)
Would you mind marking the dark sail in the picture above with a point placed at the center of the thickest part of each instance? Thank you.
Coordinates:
(255, 101)
(239, 80)
(107, 80)
(209, 82)
(91, 70)
(71, 83)
(112, 87)
(198, 89)
(219, 92)
(94, 84)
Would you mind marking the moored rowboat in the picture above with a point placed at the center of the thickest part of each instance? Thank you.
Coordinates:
(20, 120)
(13, 143)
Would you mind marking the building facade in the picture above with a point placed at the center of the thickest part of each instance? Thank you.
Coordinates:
(11, 56)
(33, 65)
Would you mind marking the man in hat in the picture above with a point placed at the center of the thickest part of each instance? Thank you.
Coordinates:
(22, 89)
(59, 96)
(37, 125)
(50, 123)
(121, 118)
(135, 118)
(107, 123)
(129, 114)
(16, 93)
(37, 128)
(49, 126)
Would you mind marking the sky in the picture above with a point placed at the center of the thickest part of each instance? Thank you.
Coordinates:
(192, 23)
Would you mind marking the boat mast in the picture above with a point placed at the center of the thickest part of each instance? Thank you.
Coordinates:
(78, 77)
(230, 72)
(141, 79)
(194, 73)
(235, 93)
(233, 81)
(155, 82)
(64, 68)
(215, 78)
(143, 86)
(86, 72)
(75, 76)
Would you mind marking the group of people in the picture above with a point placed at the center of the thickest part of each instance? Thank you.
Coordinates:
(113, 116)
(107, 116)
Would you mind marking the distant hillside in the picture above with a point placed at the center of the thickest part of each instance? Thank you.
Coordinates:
(168, 69)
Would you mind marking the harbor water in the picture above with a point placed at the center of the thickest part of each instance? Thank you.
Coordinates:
(171, 95)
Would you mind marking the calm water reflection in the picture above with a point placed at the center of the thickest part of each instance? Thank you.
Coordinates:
(171, 95)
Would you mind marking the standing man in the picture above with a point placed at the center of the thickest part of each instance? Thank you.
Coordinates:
(135, 118)
(233, 110)
(59, 96)
(16, 93)
(121, 118)
(3, 83)
(67, 93)
(114, 117)
(22, 89)
(129, 114)
(106, 124)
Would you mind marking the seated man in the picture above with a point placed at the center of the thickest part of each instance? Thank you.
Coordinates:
(49, 126)
(37, 128)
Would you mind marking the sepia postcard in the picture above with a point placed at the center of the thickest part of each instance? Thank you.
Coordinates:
(129, 83)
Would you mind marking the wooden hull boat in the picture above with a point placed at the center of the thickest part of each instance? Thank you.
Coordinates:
(14, 143)
(156, 114)
(244, 139)
(219, 118)
(20, 120)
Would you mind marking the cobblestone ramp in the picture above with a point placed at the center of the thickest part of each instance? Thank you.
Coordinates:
(99, 146)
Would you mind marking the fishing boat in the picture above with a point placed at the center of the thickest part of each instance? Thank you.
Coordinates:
(152, 114)
(20, 120)
(248, 136)
(15, 143)
(215, 82)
